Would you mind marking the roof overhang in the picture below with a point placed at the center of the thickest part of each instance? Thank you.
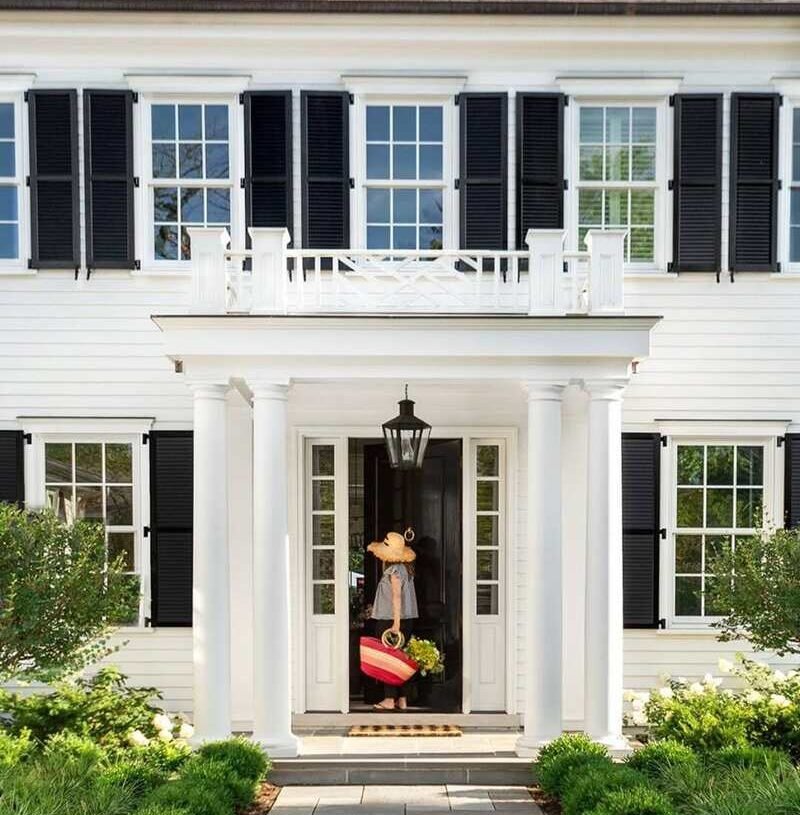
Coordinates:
(427, 347)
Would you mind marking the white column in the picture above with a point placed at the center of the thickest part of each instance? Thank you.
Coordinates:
(210, 587)
(272, 652)
(543, 569)
(603, 701)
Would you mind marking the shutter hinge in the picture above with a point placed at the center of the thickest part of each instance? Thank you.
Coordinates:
(146, 531)
(77, 272)
(148, 622)
(664, 441)
(137, 264)
(27, 181)
(30, 263)
(457, 183)
(662, 533)
(457, 99)
(778, 267)
(779, 439)
(352, 183)
(733, 278)
(145, 438)
(26, 96)
(566, 100)
(351, 98)
(670, 184)
(28, 438)
(565, 266)
(672, 100)
(566, 184)
(662, 623)
(670, 267)
(88, 272)
(135, 97)
(718, 274)
(136, 181)
(780, 101)
(242, 183)
(241, 98)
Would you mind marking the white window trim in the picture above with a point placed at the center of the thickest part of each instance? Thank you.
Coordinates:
(791, 103)
(773, 503)
(143, 164)
(662, 232)
(130, 431)
(19, 265)
(358, 162)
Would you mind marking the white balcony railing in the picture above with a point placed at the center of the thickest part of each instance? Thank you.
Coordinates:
(272, 279)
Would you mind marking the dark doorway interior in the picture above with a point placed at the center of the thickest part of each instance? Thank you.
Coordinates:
(429, 500)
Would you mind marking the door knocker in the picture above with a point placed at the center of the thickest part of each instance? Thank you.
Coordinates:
(409, 534)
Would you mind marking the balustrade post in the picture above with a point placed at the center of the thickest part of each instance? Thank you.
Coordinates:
(607, 255)
(545, 271)
(270, 275)
(209, 284)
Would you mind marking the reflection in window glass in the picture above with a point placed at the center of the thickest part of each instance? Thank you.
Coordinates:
(617, 146)
(719, 498)
(191, 150)
(93, 481)
(404, 143)
(9, 185)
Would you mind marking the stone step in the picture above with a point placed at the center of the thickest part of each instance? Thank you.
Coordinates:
(402, 769)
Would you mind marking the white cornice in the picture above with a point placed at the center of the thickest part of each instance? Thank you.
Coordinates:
(188, 83)
(723, 428)
(86, 424)
(389, 83)
(787, 85)
(13, 83)
(612, 85)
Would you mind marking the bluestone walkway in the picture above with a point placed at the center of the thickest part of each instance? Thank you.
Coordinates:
(403, 800)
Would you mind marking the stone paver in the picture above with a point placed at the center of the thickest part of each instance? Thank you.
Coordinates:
(424, 799)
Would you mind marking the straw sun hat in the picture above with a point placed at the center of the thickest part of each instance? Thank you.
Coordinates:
(393, 549)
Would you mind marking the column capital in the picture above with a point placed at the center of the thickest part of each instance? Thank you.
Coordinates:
(605, 390)
(209, 389)
(545, 390)
(270, 390)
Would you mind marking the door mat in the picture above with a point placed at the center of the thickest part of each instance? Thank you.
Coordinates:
(404, 730)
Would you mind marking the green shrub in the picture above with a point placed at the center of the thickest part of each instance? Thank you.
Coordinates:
(163, 809)
(103, 708)
(69, 747)
(634, 801)
(768, 759)
(589, 787)
(135, 775)
(559, 758)
(166, 756)
(195, 797)
(655, 756)
(219, 775)
(242, 756)
(14, 749)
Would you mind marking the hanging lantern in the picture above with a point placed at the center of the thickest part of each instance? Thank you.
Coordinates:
(406, 437)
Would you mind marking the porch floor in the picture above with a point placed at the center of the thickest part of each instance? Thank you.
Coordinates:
(404, 800)
(338, 743)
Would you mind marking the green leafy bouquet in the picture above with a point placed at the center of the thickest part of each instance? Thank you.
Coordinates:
(426, 655)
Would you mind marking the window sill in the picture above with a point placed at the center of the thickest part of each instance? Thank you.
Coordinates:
(649, 274)
(17, 271)
(163, 271)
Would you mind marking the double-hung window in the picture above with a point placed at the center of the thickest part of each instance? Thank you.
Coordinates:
(404, 175)
(191, 155)
(97, 481)
(794, 206)
(11, 182)
(719, 497)
(618, 175)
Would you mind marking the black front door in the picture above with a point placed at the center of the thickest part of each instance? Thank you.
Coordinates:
(428, 501)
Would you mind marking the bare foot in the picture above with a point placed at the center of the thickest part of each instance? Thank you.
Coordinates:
(402, 703)
(386, 704)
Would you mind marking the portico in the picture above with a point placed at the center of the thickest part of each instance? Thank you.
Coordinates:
(543, 360)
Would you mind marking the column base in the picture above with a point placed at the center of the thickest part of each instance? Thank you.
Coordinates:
(199, 739)
(529, 746)
(287, 746)
(617, 745)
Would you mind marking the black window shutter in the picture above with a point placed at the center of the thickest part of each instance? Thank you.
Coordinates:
(109, 182)
(540, 162)
(12, 474)
(697, 183)
(641, 455)
(268, 159)
(754, 182)
(171, 526)
(483, 182)
(791, 481)
(325, 169)
(53, 129)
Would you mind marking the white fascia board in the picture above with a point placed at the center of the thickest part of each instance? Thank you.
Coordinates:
(722, 428)
(85, 424)
(618, 85)
(381, 341)
(205, 83)
(404, 84)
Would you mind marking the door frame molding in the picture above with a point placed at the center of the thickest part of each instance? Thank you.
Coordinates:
(339, 435)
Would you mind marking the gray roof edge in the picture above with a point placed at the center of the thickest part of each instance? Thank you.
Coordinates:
(482, 7)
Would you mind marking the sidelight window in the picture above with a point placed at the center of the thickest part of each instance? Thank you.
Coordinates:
(323, 528)
(488, 527)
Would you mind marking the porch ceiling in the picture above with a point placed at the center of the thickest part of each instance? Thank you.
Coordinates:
(434, 347)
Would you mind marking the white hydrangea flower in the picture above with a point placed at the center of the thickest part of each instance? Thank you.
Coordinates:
(638, 704)
(779, 700)
(186, 731)
(638, 717)
(682, 680)
(162, 722)
(752, 697)
(666, 693)
(138, 739)
(181, 743)
(725, 665)
(711, 682)
(165, 735)
(664, 678)
(696, 688)
(779, 676)
(628, 695)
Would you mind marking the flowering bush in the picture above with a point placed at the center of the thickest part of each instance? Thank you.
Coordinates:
(426, 655)
(706, 717)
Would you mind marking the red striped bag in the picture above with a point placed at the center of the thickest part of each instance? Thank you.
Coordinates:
(385, 663)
